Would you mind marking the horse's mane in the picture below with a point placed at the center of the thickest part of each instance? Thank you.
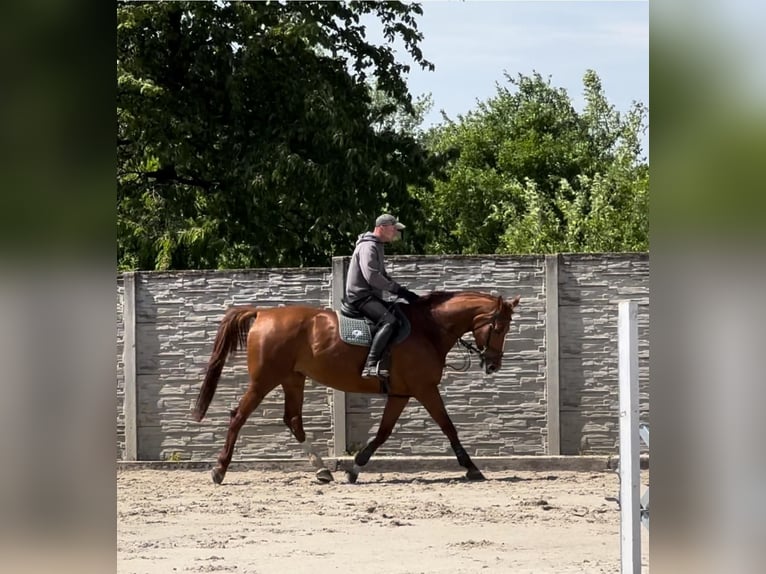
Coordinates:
(438, 297)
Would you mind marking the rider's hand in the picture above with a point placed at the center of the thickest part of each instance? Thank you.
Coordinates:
(407, 295)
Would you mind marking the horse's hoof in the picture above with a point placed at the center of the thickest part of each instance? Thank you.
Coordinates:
(474, 474)
(217, 476)
(352, 475)
(324, 476)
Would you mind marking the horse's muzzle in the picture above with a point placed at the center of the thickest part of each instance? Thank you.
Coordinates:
(491, 369)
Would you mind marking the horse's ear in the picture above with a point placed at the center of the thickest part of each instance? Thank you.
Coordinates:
(515, 301)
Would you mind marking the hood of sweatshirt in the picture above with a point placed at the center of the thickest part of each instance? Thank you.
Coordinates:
(367, 236)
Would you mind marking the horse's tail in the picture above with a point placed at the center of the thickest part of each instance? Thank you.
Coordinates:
(232, 335)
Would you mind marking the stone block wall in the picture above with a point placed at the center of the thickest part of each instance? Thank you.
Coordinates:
(177, 316)
(503, 414)
(590, 287)
(120, 371)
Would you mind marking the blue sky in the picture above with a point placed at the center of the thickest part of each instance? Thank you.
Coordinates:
(471, 43)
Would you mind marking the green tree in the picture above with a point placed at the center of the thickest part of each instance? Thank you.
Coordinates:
(529, 174)
(393, 118)
(247, 134)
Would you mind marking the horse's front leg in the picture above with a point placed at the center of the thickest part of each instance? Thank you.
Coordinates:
(433, 403)
(393, 409)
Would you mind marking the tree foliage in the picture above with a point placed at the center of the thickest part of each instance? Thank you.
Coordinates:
(247, 134)
(272, 133)
(530, 174)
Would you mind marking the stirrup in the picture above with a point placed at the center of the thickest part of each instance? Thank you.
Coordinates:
(376, 370)
(371, 370)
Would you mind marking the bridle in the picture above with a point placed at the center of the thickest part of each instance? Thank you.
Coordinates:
(482, 351)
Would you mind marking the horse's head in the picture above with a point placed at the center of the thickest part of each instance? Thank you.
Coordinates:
(489, 331)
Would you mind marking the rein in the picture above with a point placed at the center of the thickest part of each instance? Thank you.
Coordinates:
(471, 348)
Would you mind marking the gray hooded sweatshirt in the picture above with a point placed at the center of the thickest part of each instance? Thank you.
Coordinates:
(367, 272)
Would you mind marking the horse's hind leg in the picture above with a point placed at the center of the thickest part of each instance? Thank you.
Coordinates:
(433, 403)
(394, 407)
(294, 421)
(247, 404)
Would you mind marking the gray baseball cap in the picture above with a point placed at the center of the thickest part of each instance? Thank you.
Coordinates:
(388, 219)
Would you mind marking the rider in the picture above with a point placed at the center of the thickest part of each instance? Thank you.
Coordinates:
(365, 283)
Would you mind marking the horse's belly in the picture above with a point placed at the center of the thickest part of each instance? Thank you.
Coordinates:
(339, 367)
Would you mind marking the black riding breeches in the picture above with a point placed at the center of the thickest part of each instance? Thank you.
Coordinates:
(375, 310)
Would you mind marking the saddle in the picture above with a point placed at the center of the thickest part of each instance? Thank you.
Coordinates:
(356, 329)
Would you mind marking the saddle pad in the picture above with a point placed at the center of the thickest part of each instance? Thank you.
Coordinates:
(359, 332)
(354, 331)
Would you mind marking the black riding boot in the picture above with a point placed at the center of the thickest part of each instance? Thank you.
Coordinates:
(378, 345)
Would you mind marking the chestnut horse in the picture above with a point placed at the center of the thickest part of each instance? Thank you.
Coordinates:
(287, 344)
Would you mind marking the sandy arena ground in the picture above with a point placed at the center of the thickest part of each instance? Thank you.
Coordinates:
(272, 522)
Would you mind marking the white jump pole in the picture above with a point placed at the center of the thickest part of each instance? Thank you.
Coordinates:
(630, 526)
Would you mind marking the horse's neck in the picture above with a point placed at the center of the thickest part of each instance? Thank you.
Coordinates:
(456, 319)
